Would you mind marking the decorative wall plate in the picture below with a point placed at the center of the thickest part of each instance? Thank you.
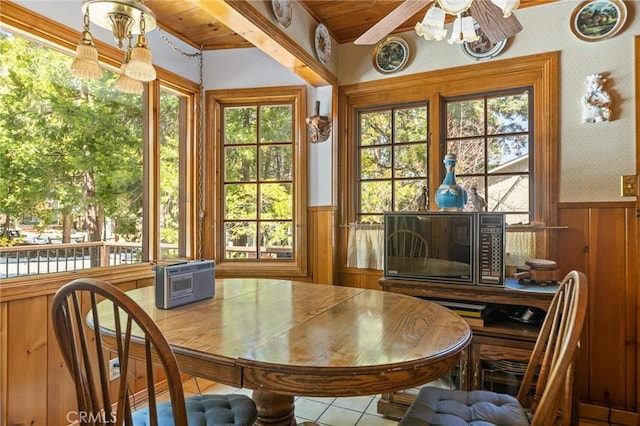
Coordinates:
(390, 55)
(282, 11)
(322, 43)
(483, 48)
(595, 20)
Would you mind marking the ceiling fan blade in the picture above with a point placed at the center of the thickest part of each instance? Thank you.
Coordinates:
(390, 22)
(491, 21)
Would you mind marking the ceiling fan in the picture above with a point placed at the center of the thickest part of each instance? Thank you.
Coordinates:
(494, 17)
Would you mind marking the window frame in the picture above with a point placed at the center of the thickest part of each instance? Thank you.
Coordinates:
(393, 179)
(484, 176)
(213, 235)
(538, 71)
(54, 35)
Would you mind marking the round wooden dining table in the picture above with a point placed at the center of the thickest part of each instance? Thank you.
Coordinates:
(285, 338)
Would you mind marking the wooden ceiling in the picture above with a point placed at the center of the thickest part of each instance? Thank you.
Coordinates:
(346, 20)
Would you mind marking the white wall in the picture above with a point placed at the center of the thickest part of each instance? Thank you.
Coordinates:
(592, 156)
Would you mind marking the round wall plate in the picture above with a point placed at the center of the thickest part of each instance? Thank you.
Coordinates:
(282, 11)
(483, 48)
(595, 20)
(390, 55)
(322, 44)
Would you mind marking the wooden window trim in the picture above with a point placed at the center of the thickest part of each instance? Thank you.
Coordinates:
(539, 71)
(57, 36)
(213, 239)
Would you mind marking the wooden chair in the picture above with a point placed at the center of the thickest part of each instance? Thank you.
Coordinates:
(547, 388)
(84, 353)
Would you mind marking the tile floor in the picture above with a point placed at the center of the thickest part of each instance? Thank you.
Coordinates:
(352, 411)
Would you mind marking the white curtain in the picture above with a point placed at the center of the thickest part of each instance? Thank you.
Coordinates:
(366, 246)
(520, 246)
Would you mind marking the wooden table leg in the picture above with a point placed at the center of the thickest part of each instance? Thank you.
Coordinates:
(274, 409)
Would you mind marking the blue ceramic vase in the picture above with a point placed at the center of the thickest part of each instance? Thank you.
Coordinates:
(450, 196)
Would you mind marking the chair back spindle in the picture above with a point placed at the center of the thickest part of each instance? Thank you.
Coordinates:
(555, 354)
(82, 340)
(547, 387)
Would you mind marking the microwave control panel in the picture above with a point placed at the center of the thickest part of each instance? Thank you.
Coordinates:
(491, 242)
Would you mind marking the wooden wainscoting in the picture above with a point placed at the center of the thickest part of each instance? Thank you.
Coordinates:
(35, 385)
(321, 243)
(600, 240)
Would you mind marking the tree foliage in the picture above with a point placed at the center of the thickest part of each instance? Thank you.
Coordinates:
(68, 147)
(392, 160)
(258, 178)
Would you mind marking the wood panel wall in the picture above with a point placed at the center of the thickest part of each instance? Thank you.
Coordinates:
(321, 243)
(600, 240)
(35, 385)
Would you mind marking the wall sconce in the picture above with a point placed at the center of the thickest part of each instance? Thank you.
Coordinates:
(319, 126)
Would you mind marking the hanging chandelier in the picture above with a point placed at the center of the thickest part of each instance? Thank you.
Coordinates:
(463, 30)
(124, 18)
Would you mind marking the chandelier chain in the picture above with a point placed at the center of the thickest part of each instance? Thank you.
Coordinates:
(177, 49)
(200, 179)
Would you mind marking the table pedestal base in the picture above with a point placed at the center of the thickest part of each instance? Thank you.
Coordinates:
(274, 409)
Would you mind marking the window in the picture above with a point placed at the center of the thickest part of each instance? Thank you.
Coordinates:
(78, 160)
(260, 189)
(392, 160)
(500, 117)
(258, 181)
(490, 134)
(175, 165)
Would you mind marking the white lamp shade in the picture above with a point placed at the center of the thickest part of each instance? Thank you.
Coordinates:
(126, 84)
(463, 30)
(507, 6)
(86, 69)
(140, 67)
(432, 26)
(86, 65)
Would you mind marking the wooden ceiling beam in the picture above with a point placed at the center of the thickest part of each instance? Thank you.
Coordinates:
(247, 22)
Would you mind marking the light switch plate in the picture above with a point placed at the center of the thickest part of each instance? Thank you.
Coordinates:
(629, 186)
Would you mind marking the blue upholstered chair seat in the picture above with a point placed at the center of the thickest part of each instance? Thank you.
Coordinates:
(435, 406)
(206, 410)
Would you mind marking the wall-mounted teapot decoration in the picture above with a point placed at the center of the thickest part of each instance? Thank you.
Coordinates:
(596, 102)
(319, 126)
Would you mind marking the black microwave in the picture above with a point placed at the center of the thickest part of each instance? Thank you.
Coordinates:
(450, 247)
